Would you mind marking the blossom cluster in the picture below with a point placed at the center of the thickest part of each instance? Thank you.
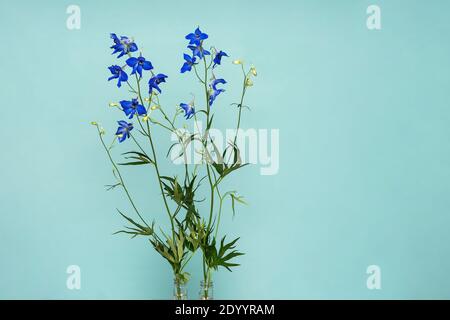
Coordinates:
(196, 45)
(125, 46)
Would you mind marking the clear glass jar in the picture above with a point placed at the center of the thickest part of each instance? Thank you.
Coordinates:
(179, 290)
(206, 290)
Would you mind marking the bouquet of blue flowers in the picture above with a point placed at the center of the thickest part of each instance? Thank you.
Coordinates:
(190, 229)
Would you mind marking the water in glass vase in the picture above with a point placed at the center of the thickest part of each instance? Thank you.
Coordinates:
(206, 290)
(179, 290)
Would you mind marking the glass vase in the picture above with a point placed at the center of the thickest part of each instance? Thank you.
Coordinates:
(179, 290)
(206, 290)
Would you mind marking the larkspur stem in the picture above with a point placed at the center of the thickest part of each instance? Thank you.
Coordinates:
(122, 183)
(155, 161)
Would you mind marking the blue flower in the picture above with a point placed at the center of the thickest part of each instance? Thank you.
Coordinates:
(189, 62)
(138, 64)
(132, 107)
(189, 110)
(123, 131)
(216, 91)
(199, 51)
(197, 37)
(119, 74)
(155, 81)
(124, 45)
(215, 82)
(218, 57)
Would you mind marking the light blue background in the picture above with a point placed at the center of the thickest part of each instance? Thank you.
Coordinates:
(364, 147)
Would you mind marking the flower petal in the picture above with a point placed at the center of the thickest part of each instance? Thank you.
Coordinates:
(147, 65)
(141, 110)
(132, 61)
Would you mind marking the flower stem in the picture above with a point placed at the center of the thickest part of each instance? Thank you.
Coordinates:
(122, 183)
(206, 269)
(155, 161)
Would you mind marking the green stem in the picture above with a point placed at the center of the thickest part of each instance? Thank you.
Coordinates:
(120, 178)
(137, 143)
(132, 89)
(244, 87)
(198, 76)
(220, 207)
(206, 269)
(159, 181)
(186, 262)
(155, 161)
(160, 124)
(211, 210)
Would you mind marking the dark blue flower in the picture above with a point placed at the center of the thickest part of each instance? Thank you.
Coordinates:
(216, 91)
(123, 131)
(199, 51)
(155, 81)
(138, 64)
(218, 57)
(189, 62)
(119, 74)
(124, 45)
(132, 107)
(189, 110)
(215, 82)
(197, 37)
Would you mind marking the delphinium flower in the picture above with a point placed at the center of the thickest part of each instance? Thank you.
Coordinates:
(216, 91)
(154, 82)
(199, 51)
(119, 74)
(132, 107)
(189, 62)
(189, 110)
(124, 45)
(218, 57)
(123, 131)
(196, 37)
(138, 64)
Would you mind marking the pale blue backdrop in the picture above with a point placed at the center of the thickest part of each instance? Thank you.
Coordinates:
(364, 147)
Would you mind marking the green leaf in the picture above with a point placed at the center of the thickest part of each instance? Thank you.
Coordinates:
(141, 158)
(221, 257)
(130, 220)
(220, 159)
(170, 148)
(133, 163)
(168, 256)
(172, 246)
(209, 124)
(224, 169)
(139, 230)
(180, 246)
(234, 198)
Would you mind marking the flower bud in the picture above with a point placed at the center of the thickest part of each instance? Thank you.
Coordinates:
(94, 123)
(154, 107)
(248, 82)
(253, 71)
(237, 61)
(102, 131)
(145, 118)
(113, 104)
